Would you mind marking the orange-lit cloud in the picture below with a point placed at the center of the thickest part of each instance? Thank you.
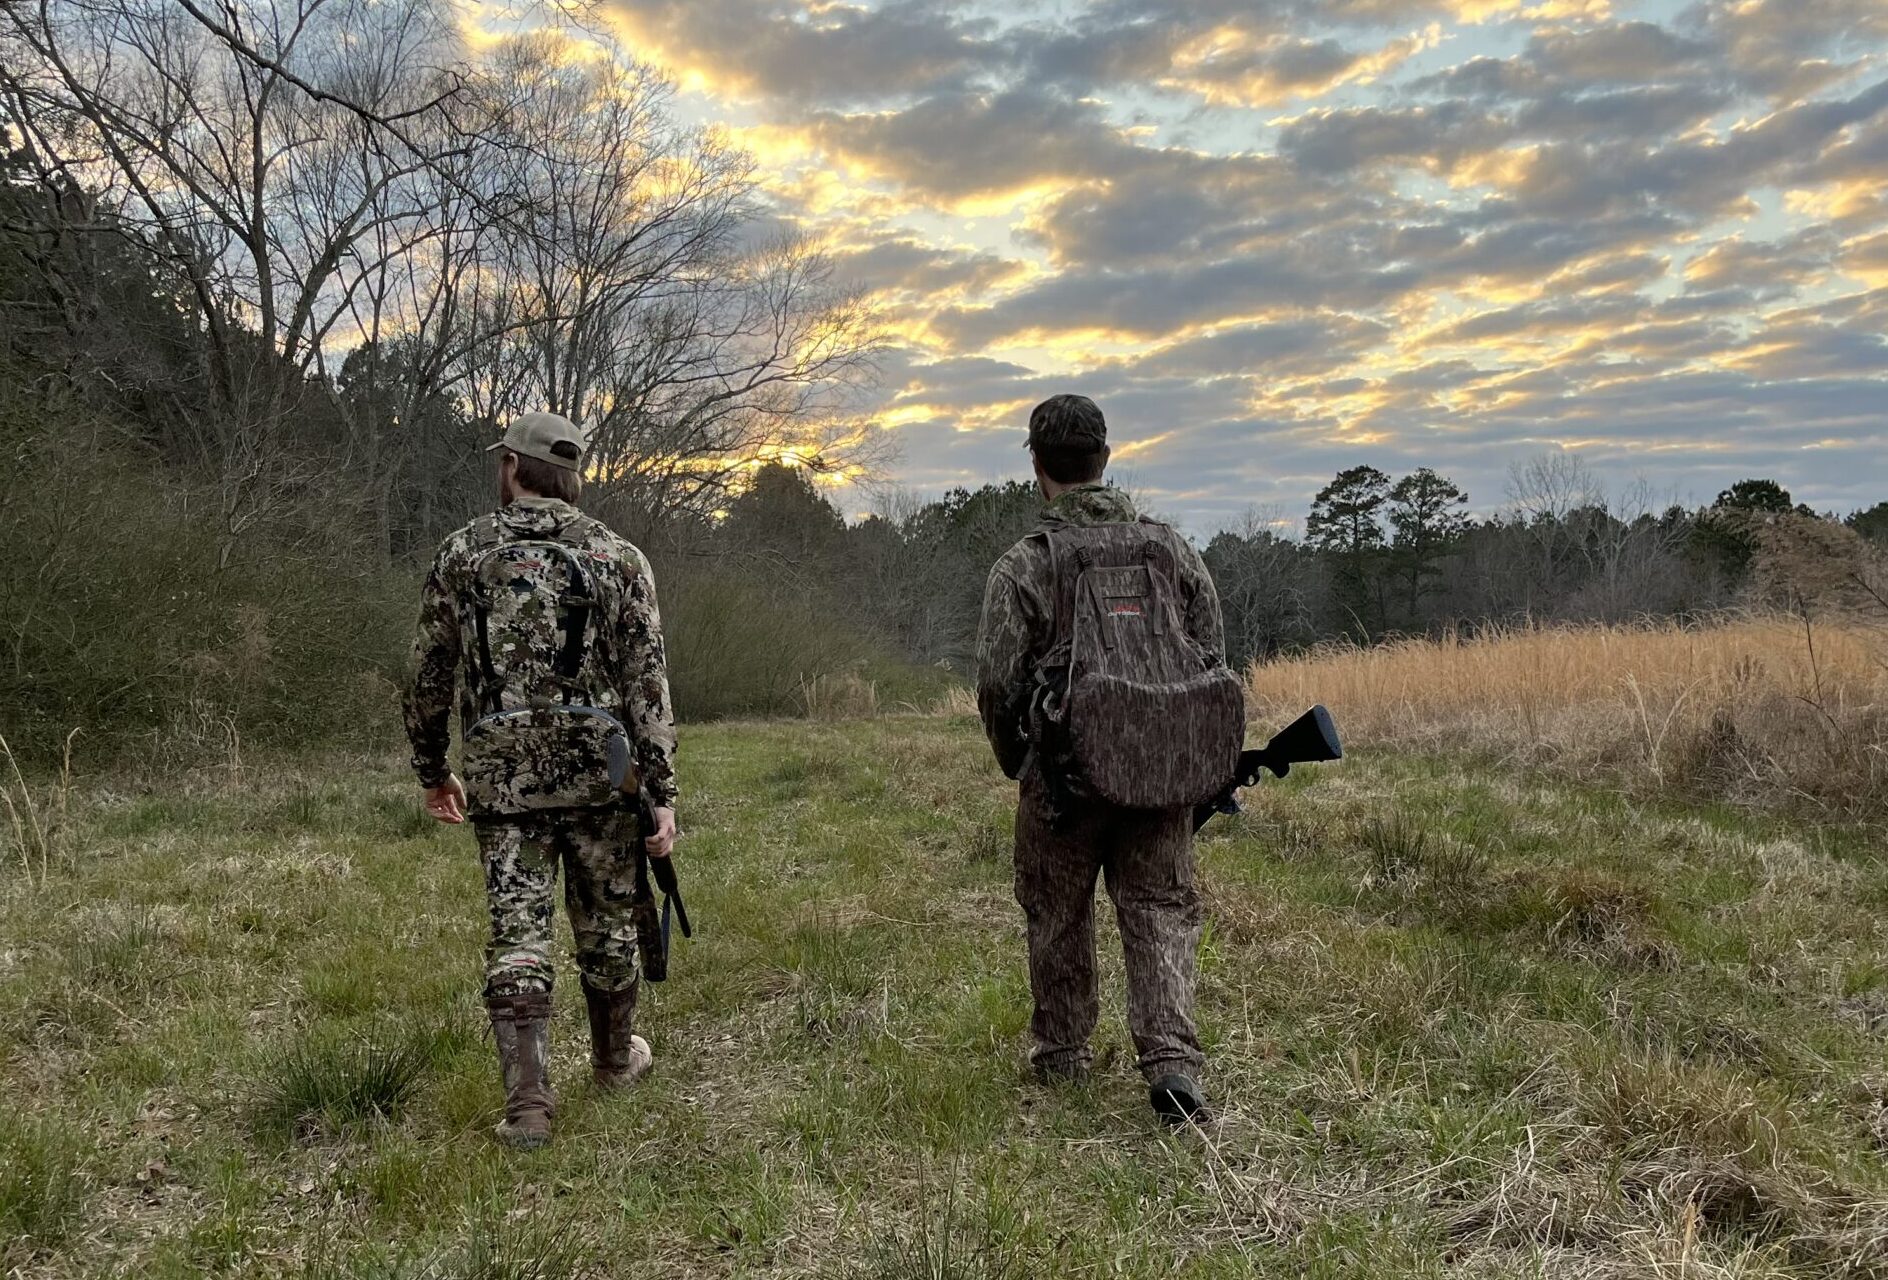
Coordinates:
(1276, 237)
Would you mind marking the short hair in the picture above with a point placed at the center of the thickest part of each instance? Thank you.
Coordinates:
(546, 479)
(1066, 464)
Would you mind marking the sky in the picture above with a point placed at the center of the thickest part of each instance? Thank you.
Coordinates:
(1277, 238)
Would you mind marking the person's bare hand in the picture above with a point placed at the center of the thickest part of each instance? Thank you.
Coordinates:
(662, 843)
(446, 802)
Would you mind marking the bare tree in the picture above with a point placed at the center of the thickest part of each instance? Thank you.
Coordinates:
(220, 139)
(628, 294)
(1632, 555)
(1543, 493)
(1264, 580)
(373, 228)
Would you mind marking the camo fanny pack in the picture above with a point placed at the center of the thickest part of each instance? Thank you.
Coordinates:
(533, 758)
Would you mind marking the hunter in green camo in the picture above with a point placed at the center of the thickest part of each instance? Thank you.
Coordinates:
(522, 858)
(546, 622)
(633, 683)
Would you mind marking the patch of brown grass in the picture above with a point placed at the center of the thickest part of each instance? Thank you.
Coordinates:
(1771, 710)
(845, 696)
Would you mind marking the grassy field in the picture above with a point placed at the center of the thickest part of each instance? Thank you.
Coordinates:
(1462, 1022)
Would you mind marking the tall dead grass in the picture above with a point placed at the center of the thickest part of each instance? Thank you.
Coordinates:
(38, 826)
(1773, 710)
(846, 695)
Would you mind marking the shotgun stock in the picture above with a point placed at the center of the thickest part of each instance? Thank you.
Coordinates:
(652, 930)
(1310, 739)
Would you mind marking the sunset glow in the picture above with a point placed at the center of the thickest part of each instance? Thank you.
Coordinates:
(1274, 239)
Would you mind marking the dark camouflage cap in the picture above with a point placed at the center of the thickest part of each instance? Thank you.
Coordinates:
(1067, 422)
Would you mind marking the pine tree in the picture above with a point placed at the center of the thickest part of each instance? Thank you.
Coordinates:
(1344, 525)
(1423, 513)
(1725, 536)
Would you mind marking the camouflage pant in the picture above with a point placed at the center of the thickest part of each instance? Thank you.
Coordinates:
(521, 858)
(1147, 859)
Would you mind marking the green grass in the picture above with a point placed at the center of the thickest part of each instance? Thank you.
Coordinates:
(1461, 1021)
(328, 1080)
(42, 1192)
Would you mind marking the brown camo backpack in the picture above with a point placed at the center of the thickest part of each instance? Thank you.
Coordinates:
(1145, 722)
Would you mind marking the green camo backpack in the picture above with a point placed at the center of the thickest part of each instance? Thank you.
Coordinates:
(539, 742)
(1143, 718)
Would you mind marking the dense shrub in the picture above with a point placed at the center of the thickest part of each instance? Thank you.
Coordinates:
(738, 648)
(135, 613)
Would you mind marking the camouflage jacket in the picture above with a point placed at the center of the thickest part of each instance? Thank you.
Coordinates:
(636, 691)
(1018, 627)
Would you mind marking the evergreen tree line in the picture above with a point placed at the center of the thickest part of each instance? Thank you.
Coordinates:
(1378, 557)
(1382, 557)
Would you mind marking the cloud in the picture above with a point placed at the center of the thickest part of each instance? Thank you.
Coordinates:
(1295, 347)
(1626, 53)
(1788, 48)
(776, 50)
(1277, 237)
(1436, 137)
(905, 265)
(1249, 67)
(1161, 300)
(950, 147)
(1866, 258)
(1763, 268)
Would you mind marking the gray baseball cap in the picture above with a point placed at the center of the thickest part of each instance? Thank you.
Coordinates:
(538, 435)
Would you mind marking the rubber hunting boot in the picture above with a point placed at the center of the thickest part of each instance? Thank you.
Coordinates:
(1178, 1100)
(618, 1058)
(521, 1025)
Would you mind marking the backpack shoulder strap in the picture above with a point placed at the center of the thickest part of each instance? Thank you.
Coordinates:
(1069, 557)
(576, 605)
(574, 530)
(1161, 552)
(485, 534)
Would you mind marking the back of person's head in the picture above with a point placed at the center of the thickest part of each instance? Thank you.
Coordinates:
(1069, 439)
(547, 454)
(547, 479)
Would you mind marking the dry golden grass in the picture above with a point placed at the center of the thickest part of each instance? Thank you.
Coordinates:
(957, 700)
(845, 696)
(1762, 709)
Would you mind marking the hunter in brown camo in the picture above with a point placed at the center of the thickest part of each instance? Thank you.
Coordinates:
(1065, 836)
(1145, 857)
